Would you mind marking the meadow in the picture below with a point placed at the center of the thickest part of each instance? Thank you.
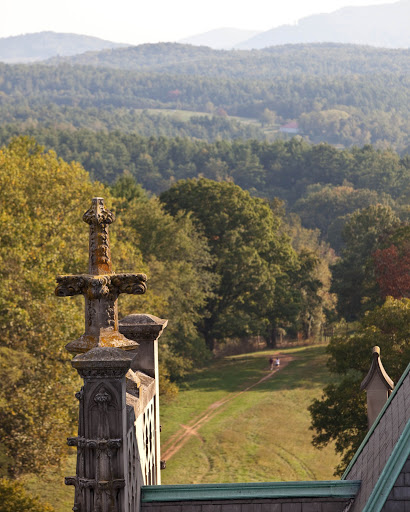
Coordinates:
(259, 435)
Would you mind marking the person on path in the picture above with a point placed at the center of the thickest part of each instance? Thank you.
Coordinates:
(277, 363)
(271, 362)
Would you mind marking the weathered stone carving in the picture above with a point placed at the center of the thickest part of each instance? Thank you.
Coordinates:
(102, 433)
(118, 433)
(99, 218)
(100, 287)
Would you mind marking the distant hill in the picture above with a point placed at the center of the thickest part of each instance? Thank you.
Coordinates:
(43, 45)
(376, 25)
(148, 56)
(184, 59)
(221, 38)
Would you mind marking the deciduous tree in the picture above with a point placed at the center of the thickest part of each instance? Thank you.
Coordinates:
(340, 415)
(250, 254)
(41, 235)
(354, 279)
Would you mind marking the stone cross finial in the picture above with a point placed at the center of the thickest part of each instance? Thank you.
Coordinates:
(100, 287)
(99, 253)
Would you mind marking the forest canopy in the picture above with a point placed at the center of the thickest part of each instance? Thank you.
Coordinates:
(336, 93)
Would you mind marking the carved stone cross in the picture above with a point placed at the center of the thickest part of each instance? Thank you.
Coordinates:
(100, 287)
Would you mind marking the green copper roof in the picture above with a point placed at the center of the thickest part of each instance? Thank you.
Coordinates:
(334, 489)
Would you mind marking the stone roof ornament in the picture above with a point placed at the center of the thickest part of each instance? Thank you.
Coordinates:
(378, 386)
(100, 287)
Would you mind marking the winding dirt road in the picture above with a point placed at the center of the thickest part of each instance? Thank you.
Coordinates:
(177, 441)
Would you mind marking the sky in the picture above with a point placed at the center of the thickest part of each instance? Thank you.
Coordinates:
(151, 21)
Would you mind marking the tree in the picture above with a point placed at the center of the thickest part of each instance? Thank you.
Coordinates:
(41, 235)
(175, 258)
(14, 497)
(249, 254)
(267, 117)
(340, 415)
(354, 279)
(328, 208)
(393, 264)
(297, 304)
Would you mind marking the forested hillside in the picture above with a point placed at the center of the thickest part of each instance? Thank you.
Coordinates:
(344, 95)
(323, 185)
(312, 59)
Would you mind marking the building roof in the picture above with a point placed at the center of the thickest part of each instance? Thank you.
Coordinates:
(384, 451)
(257, 490)
(376, 480)
(292, 125)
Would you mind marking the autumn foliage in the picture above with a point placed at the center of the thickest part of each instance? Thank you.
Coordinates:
(393, 271)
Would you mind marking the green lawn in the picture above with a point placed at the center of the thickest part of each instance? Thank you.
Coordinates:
(50, 486)
(182, 115)
(271, 131)
(260, 435)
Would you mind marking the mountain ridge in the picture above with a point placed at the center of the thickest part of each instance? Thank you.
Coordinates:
(384, 25)
(39, 46)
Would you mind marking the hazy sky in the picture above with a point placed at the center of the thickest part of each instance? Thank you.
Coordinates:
(151, 21)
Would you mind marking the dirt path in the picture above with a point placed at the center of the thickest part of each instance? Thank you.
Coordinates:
(177, 441)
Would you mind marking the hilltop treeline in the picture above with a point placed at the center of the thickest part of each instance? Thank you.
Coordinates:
(289, 96)
(267, 63)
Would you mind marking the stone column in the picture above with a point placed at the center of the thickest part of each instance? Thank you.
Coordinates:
(102, 462)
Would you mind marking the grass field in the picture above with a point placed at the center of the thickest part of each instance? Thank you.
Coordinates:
(271, 131)
(259, 435)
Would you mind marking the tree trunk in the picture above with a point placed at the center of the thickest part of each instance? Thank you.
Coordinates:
(209, 341)
(271, 338)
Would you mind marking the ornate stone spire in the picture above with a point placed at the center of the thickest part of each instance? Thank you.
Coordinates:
(100, 287)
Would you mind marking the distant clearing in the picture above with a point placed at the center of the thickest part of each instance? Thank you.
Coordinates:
(271, 131)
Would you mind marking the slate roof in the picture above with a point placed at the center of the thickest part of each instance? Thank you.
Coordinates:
(379, 475)
(383, 454)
